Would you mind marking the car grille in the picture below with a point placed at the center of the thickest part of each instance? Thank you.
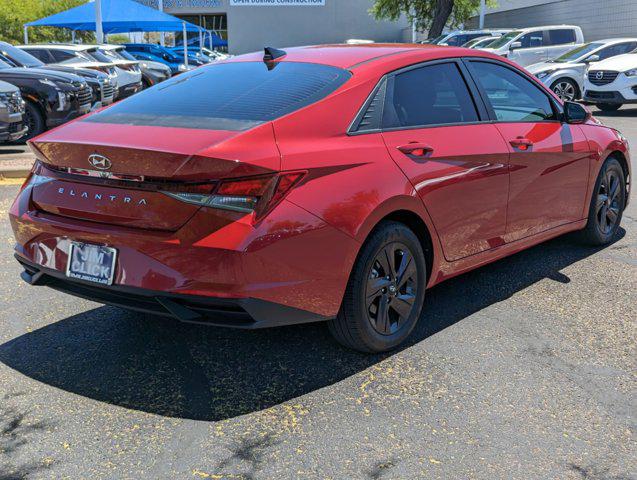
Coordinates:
(107, 91)
(602, 77)
(15, 127)
(85, 96)
(15, 103)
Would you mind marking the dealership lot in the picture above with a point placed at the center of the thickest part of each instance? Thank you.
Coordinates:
(522, 369)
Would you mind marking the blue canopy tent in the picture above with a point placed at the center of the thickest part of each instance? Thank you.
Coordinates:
(115, 16)
(118, 16)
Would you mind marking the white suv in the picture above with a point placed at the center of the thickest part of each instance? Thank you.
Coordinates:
(537, 44)
(612, 82)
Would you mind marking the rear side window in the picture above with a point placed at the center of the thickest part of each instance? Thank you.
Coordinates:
(561, 36)
(430, 95)
(512, 97)
(227, 96)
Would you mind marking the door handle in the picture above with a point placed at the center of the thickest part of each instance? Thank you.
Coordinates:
(521, 143)
(416, 149)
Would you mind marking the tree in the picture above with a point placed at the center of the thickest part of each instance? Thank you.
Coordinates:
(15, 13)
(428, 15)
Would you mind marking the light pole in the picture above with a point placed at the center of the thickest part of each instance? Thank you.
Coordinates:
(483, 8)
(99, 33)
(162, 35)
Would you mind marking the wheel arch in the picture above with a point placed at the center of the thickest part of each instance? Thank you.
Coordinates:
(578, 88)
(411, 212)
(623, 161)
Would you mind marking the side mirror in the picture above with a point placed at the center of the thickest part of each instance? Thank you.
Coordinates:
(592, 58)
(515, 45)
(575, 113)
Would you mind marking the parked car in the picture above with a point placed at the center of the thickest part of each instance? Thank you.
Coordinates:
(195, 58)
(51, 98)
(216, 55)
(612, 82)
(565, 75)
(99, 82)
(12, 126)
(458, 38)
(537, 44)
(157, 53)
(480, 42)
(73, 56)
(152, 72)
(129, 74)
(223, 217)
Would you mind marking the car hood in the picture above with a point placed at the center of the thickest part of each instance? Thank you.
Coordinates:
(40, 73)
(7, 87)
(619, 63)
(86, 73)
(545, 66)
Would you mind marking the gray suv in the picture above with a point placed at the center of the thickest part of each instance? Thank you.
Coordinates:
(11, 111)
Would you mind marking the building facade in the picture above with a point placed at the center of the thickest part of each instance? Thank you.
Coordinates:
(598, 18)
(249, 25)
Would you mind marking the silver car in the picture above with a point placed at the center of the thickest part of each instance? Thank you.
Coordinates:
(565, 75)
(11, 111)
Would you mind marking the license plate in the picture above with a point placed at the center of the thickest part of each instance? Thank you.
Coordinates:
(92, 263)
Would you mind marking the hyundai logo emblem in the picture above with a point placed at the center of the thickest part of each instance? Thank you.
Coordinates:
(99, 161)
(599, 75)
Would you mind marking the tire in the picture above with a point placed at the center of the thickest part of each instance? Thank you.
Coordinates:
(607, 205)
(365, 325)
(609, 107)
(34, 119)
(566, 89)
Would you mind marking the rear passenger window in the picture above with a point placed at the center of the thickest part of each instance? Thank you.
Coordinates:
(532, 40)
(430, 95)
(512, 97)
(561, 36)
(40, 54)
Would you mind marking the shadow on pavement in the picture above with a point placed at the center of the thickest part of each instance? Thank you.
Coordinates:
(626, 111)
(203, 373)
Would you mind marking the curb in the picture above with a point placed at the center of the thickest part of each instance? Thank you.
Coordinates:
(16, 167)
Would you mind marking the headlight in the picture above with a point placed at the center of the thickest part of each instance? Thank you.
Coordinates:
(544, 74)
(182, 67)
(631, 73)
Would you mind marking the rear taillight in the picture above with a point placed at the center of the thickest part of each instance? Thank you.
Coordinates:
(256, 195)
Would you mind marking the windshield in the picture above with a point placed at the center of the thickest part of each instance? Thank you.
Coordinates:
(577, 53)
(504, 39)
(231, 96)
(438, 39)
(99, 56)
(19, 57)
(4, 65)
(125, 55)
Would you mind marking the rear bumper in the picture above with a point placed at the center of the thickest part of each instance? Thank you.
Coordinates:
(244, 313)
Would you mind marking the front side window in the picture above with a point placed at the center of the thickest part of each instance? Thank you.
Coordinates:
(60, 56)
(227, 96)
(41, 54)
(532, 40)
(561, 36)
(429, 95)
(512, 97)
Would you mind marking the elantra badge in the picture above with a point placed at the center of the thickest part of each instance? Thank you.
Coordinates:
(99, 161)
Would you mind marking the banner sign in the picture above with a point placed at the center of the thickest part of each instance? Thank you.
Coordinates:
(277, 3)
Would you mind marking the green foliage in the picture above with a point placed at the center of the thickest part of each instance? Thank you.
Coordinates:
(423, 11)
(15, 13)
(117, 38)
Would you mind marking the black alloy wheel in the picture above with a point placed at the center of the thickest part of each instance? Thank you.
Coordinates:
(385, 293)
(391, 288)
(607, 204)
(608, 208)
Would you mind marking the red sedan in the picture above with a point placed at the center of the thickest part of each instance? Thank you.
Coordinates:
(330, 183)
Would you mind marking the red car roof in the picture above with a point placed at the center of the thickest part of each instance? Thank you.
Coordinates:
(344, 56)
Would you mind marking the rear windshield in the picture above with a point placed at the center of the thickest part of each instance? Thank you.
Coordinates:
(227, 96)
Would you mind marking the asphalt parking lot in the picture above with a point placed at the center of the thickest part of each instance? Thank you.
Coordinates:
(524, 369)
